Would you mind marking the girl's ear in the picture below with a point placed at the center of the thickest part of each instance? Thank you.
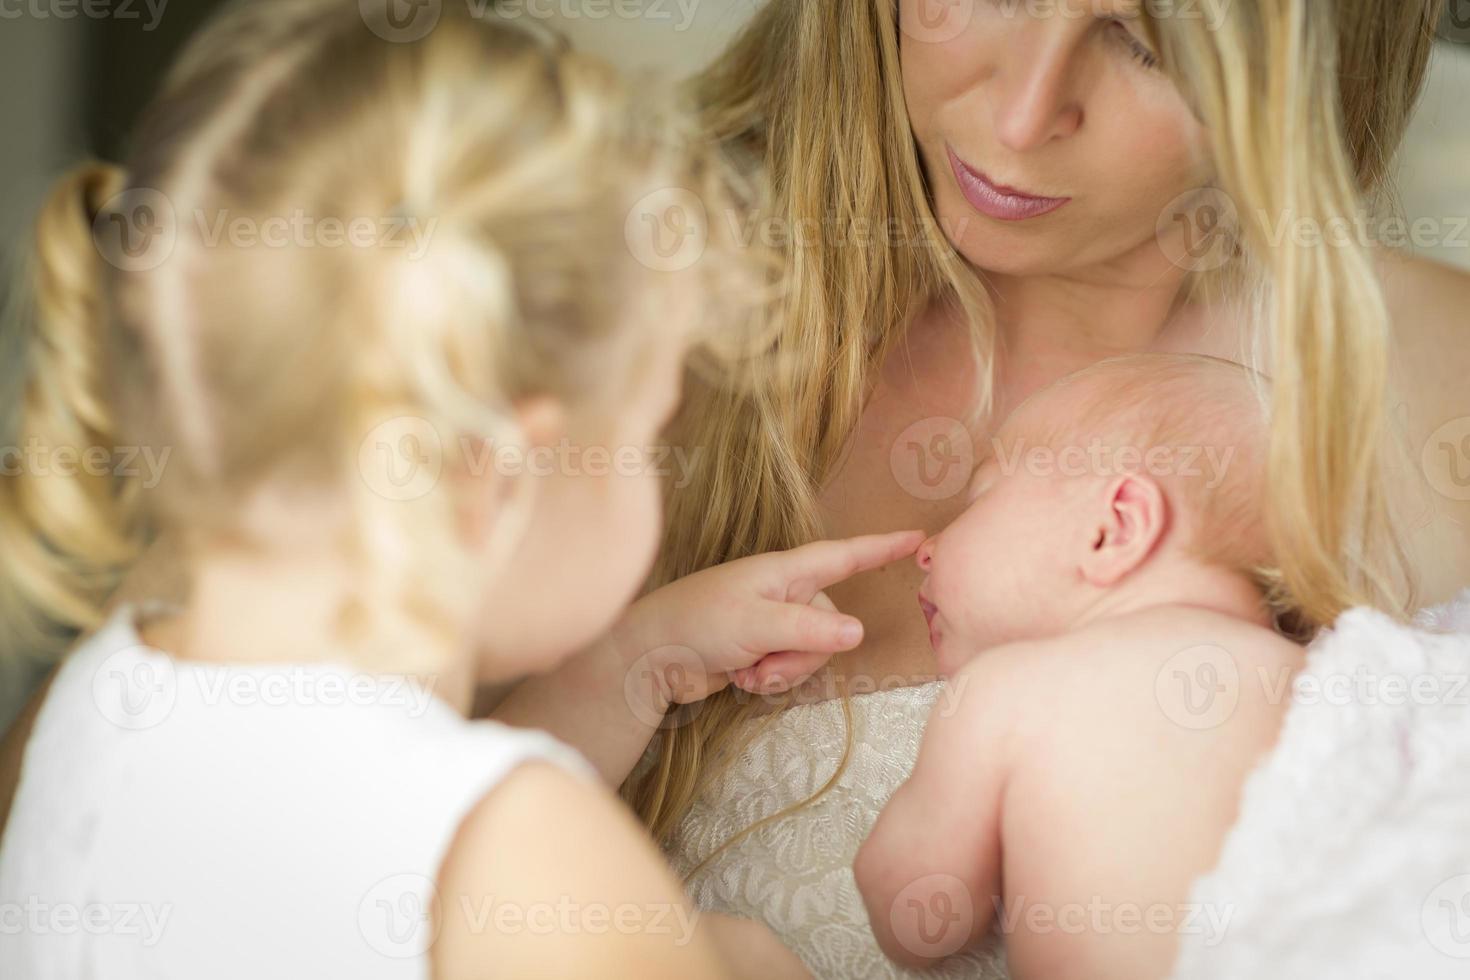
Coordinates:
(1133, 515)
(508, 470)
(542, 420)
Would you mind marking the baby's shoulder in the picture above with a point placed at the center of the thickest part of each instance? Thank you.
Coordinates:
(1170, 676)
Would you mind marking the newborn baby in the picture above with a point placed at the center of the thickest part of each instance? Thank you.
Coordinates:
(1114, 675)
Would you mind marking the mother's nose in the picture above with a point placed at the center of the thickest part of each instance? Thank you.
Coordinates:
(1034, 97)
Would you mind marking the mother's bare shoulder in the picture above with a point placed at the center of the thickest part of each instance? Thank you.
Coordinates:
(1429, 305)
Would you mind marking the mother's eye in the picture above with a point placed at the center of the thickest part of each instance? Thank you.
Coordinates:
(1135, 48)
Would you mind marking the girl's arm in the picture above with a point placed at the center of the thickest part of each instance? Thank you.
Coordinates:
(550, 876)
(762, 623)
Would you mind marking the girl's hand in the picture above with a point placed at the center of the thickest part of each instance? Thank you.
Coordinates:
(762, 623)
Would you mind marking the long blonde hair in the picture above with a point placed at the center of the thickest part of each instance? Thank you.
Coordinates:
(490, 175)
(1305, 100)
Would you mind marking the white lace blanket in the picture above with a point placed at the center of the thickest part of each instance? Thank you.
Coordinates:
(1351, 856)
(796, 874)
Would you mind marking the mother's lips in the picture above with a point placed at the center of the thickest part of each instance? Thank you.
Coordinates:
(998, 201)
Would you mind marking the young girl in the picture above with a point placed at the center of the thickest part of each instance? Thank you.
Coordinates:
(381, 309)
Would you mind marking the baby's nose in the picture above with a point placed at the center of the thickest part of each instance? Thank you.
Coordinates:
(925, 556)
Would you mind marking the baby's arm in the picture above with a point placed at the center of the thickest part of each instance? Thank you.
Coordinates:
(930, 871)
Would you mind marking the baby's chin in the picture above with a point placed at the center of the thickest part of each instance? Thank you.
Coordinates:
(951, 656)
(954, 651)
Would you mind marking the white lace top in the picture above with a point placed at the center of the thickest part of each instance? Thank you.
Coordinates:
(796, 874)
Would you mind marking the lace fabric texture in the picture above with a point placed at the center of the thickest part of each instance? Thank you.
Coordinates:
(795, 874)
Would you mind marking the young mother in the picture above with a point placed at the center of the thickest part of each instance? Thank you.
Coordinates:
(981, 196)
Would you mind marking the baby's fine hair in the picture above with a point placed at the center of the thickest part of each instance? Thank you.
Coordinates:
(1205, 420)
(324, 229)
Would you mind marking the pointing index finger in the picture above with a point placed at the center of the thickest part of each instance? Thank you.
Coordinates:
(823, 563)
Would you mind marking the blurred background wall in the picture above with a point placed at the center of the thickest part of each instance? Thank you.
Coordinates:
(71, 85)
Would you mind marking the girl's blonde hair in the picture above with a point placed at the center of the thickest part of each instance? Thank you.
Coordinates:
(1306, 102)
(325, 234)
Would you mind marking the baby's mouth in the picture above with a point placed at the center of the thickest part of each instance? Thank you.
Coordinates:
(931, 611)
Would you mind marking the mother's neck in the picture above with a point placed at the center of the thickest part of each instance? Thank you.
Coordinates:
(1051, 325)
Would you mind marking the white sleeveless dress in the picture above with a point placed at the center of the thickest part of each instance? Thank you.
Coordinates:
(795, 875)
(179, 821)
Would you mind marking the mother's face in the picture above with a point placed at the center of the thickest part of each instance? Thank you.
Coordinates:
(1052, 141)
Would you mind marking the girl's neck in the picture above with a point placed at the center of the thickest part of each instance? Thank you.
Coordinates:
(251, 608)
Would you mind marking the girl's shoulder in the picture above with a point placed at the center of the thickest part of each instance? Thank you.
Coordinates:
(311, 802)
(581, 891)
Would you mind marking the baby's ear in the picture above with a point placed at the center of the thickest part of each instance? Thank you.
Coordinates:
(1130, 517)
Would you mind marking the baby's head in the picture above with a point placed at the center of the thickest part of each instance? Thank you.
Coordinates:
(419, 306)
(1106, 480)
